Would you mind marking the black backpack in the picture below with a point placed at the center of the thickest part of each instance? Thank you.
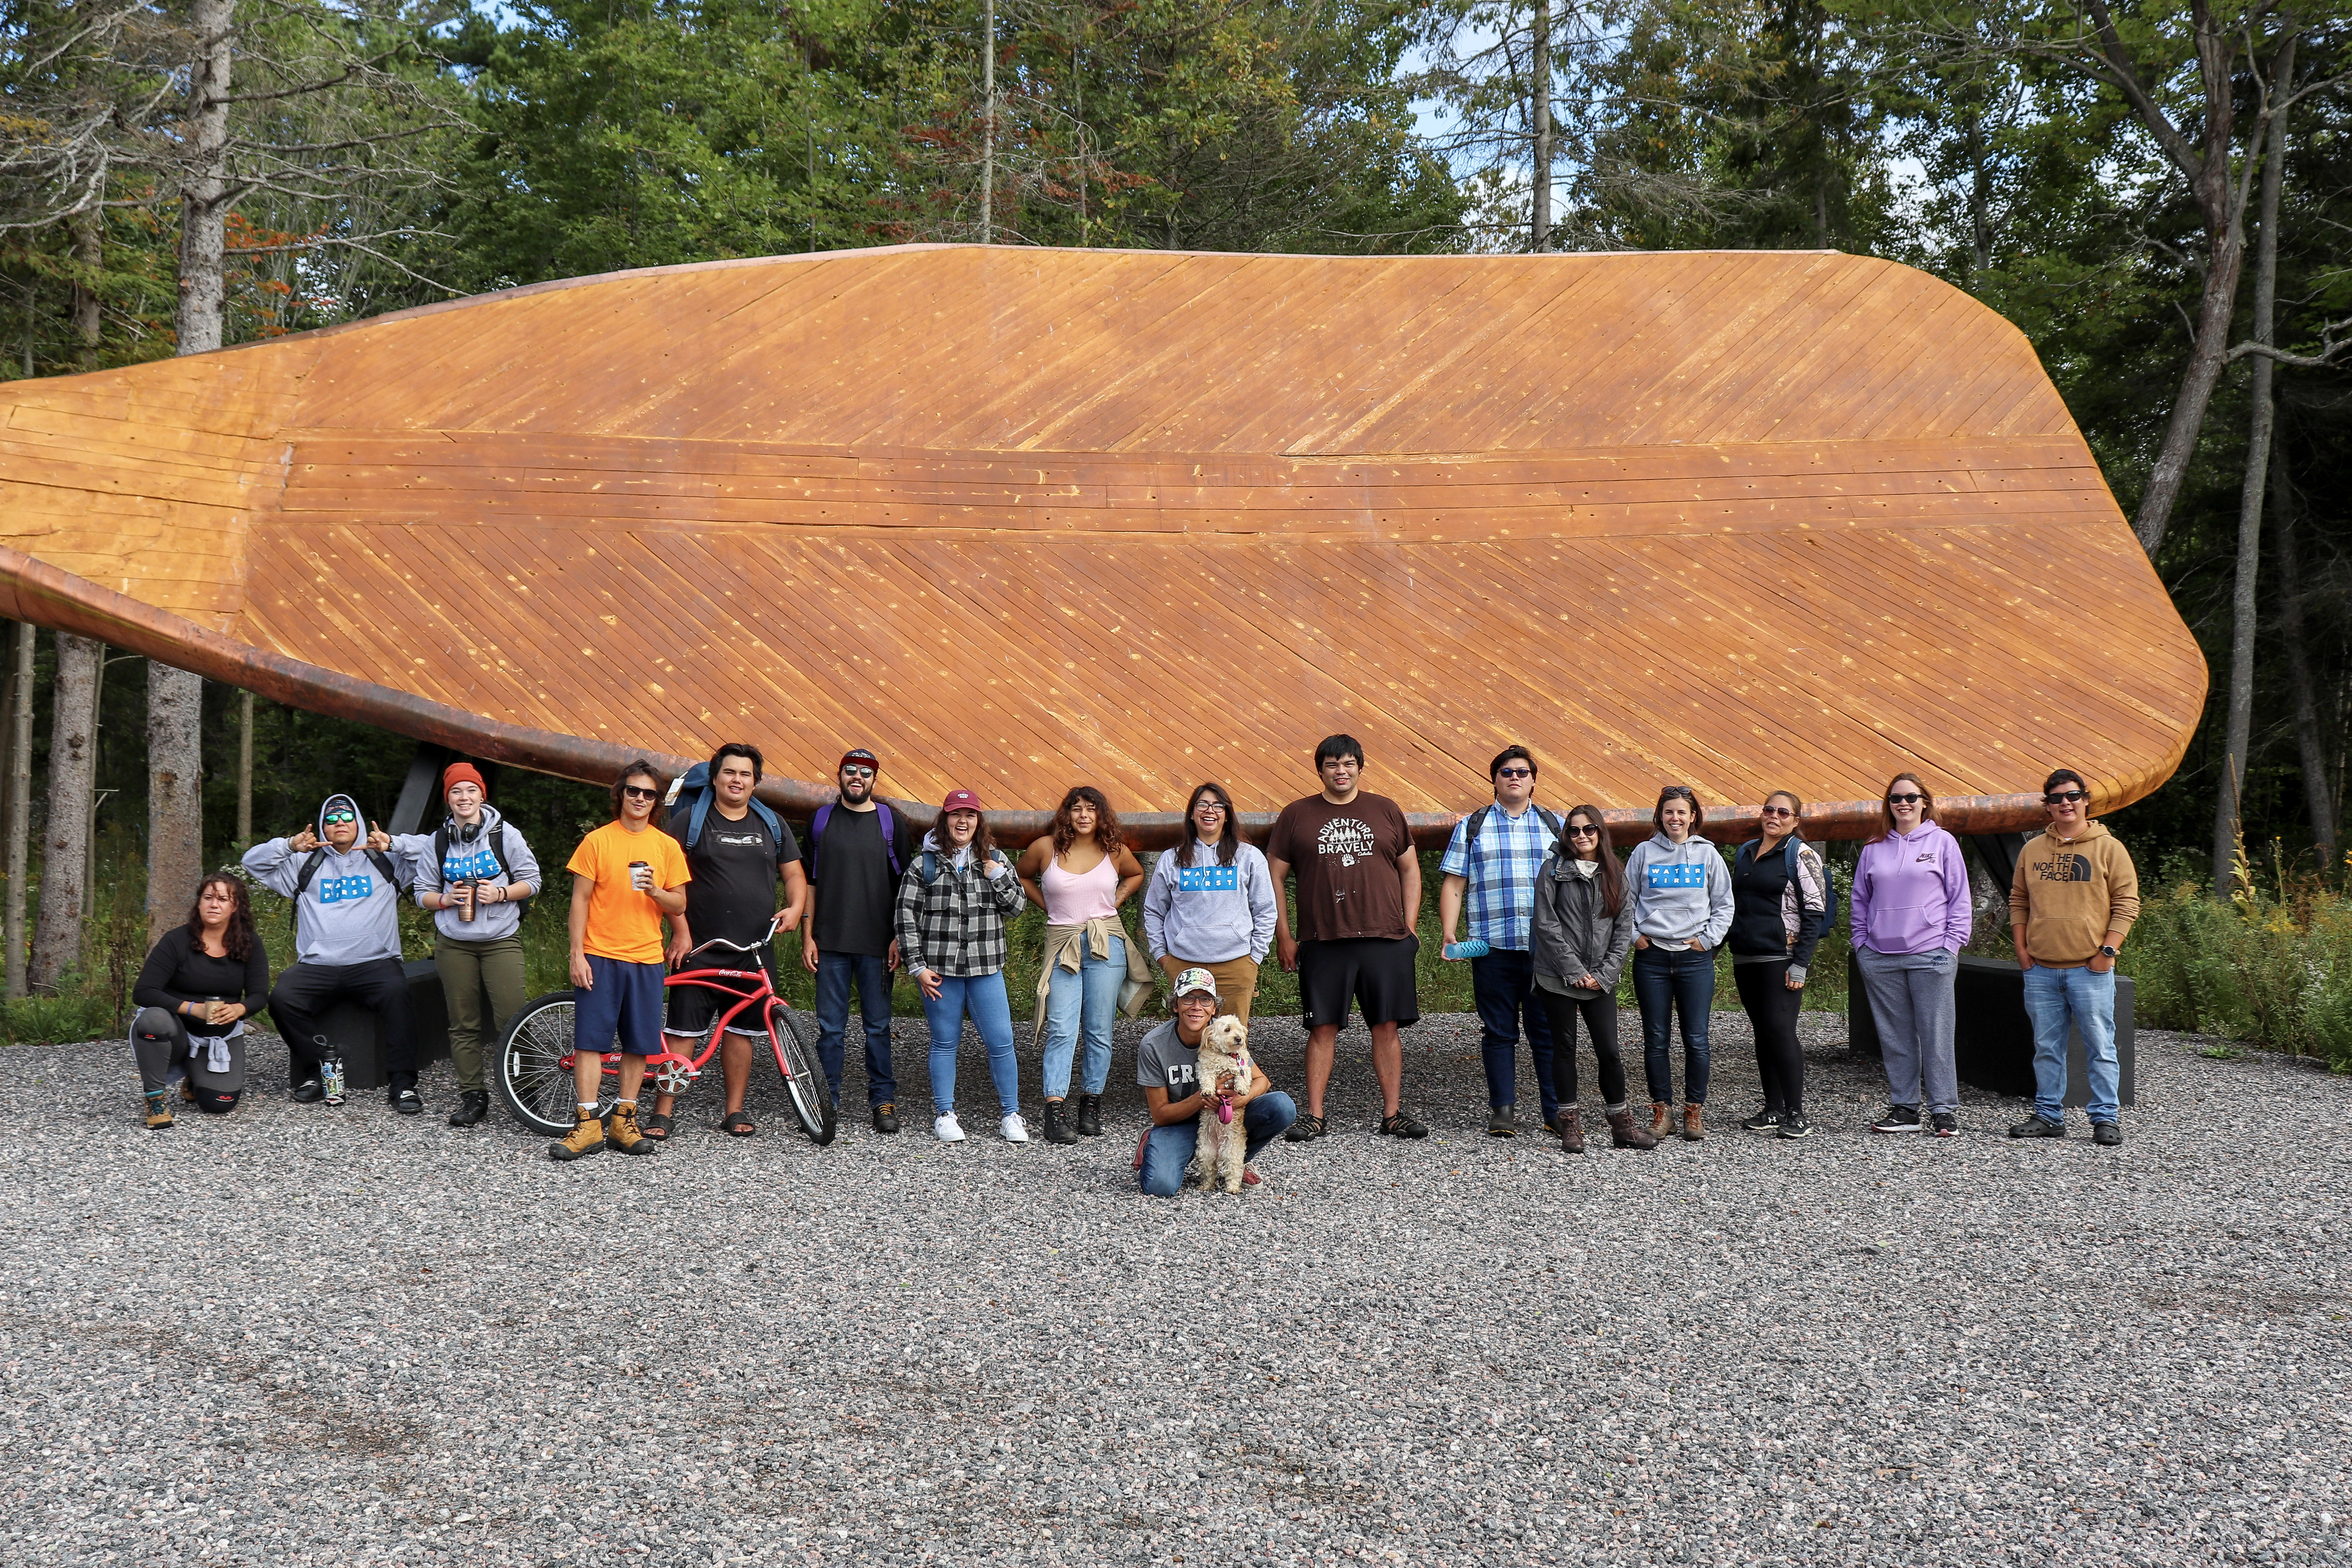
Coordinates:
(317, 858)
(497, 842)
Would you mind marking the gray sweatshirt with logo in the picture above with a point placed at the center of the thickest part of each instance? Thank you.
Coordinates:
(469, 857)
(1680, 890)
(349, 913)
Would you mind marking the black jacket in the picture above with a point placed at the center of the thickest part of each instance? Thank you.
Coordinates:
(1767, 917)
(1568, 937)
(178, 971)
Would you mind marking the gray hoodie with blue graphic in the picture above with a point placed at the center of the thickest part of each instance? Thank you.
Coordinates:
(1680, 890)
(349, 913)
(469, 857)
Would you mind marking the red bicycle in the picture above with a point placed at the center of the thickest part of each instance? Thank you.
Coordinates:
(535, 1057)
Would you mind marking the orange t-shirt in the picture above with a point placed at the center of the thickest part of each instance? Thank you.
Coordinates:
(624, 923)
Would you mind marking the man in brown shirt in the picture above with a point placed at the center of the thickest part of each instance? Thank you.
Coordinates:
(2073, 899)
(1359, 901)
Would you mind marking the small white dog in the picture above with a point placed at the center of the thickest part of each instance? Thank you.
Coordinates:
(1224, 1065)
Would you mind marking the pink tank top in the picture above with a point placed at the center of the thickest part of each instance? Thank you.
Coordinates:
(1074, 898)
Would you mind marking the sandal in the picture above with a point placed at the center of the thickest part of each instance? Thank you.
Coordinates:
(656, 1127)
(739, 1124)
(1305, 1130)
(1402, 1126)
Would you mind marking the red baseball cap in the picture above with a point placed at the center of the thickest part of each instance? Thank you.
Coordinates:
(960, 800)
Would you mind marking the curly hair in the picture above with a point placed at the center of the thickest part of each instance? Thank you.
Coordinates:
(1108, 832)
(237, 939)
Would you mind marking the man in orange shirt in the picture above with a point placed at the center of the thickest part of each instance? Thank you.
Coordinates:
(625, 878)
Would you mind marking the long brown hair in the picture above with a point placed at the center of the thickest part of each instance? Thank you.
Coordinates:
(1887, 812)
(1229, 844)
(645, 768)
(1106, 829)
(1611, 875)
(237, 939)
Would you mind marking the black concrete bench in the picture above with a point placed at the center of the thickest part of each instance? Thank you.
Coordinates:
(352, 1028)
(1993, 1039)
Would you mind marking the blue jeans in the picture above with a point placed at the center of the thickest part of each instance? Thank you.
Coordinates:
(1086, 1002)
(1170, 1149)
(1502, 984)
(2053, 997)
(1666, 981)
(835, 971)
(982, 996)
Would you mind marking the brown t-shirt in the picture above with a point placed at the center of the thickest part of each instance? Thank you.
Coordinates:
(1345, 858)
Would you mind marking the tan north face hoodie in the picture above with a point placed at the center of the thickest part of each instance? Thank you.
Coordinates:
(2070, 893)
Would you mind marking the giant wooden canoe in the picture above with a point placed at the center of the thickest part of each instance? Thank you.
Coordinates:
(1018, 519)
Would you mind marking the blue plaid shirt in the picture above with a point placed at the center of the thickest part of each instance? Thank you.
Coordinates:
(1501, 898)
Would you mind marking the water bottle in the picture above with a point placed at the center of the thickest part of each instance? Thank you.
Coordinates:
(331, 1077)
(473, 896)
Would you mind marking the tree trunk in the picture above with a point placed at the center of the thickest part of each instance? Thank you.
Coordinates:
(20, 801)
(86, 232)
(2320, 796)
(244, 770)
(2229, 815)
(65, 848)
(175, 795)
(1539, 116)
(988, 122)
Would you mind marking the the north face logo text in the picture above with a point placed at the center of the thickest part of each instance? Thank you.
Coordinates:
(2067, 868)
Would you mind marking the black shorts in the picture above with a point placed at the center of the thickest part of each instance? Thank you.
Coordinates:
(1376, 973)
(693, 1008)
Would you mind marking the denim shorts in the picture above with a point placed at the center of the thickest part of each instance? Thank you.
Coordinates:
(624, 1003)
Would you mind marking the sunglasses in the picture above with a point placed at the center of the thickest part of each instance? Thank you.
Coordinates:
(636, 792)
(1905, 799)
(1582, 830)
(1515, 772)
(333, 818)
(2065, 795)
(1778, 811)
(857, 773)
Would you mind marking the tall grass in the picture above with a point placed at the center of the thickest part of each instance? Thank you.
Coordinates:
(2272, 966)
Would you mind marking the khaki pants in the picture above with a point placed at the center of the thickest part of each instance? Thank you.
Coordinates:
(466, 970)
(1236, 981)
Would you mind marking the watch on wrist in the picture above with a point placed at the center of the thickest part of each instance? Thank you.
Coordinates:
(2106, 951)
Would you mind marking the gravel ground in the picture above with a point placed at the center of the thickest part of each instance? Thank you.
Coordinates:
(298, 1335)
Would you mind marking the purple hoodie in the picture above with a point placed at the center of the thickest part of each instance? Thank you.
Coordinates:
(1911, 894)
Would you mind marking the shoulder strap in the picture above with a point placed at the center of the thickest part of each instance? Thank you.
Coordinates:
(1551, 824)
(889, 825)
(311, 865)
(1478, 826)
(930, 868)
(774, 822)
(384, 863)
(694, 816)
(440, 846)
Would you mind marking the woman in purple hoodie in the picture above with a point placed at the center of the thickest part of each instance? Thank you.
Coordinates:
(1911, 917)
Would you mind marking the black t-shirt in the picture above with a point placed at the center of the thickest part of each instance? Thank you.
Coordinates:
(734, 866)
(856, 887)
(178, 970)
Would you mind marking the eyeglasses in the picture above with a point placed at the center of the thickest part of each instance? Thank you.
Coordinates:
(638, 791)
(1515, 772)
(857, 773)
(1905, 799)
(333, 818)
(1778, 811)
(1210, 806)
(2052, 799)
(1582, 830)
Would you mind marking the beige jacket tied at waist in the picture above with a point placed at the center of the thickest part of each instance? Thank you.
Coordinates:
(1066, 947)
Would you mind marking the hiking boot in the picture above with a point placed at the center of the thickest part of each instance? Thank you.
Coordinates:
(473, 1104)
(1571, 1130)
(1057, 1123)
(1693, 1129)
(1089, 1117)
(2038, 1126)
(886, 1117)
(587, 1137)
(2106, 1134)
(1899, 1118)
(159, 1114)
(1763, 1121)
(622, 1131)
(308, 1091)
(1503, 1121)
(1661, 1119)
(1399, 1124)
(1794, 1125)
(1944, 1124)
(1624, 1134)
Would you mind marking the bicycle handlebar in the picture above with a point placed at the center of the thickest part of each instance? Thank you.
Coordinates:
(738, 946)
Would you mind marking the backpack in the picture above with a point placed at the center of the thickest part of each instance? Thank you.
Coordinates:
(889, 825)
(497, 845)
(1829, 880)
(1478, 824)
(697, 779)
(317, 858)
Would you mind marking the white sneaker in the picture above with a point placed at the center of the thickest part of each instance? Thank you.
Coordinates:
(945, 1129)
(1015, 1130)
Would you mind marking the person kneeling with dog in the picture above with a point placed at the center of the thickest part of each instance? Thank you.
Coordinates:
(1167, 1069)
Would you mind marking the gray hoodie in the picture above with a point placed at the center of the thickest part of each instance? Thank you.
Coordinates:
(470, 857)
(1209, 913)
(348, 914)
(1680, 890)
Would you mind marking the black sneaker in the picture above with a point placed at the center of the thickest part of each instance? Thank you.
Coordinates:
(1763, 1121)
(407, 1101)
(2106, 1134)
(886, 1117)
(1402, 1125)
(1088, 1120)
(1899, 1118)
(1306, 1129)
(1794, 1125)
(473, 1104)
(1503, 1121)
(310, 1091)
(1944, 1124)
(2037, 1126)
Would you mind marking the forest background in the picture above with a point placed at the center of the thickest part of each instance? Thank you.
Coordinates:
(2154, 193)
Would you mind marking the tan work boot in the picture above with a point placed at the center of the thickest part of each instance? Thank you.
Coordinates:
(1626, 1135)
(587, 1137)
(1693, 1130)
(1661, 1119)
(159, 1114)
(1571, 1130)
(621, 1132)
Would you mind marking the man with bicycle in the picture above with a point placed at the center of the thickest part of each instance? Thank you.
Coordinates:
(737, 851)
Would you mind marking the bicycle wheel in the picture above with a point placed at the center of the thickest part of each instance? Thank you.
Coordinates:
(793, 1037)
(530, 1074)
